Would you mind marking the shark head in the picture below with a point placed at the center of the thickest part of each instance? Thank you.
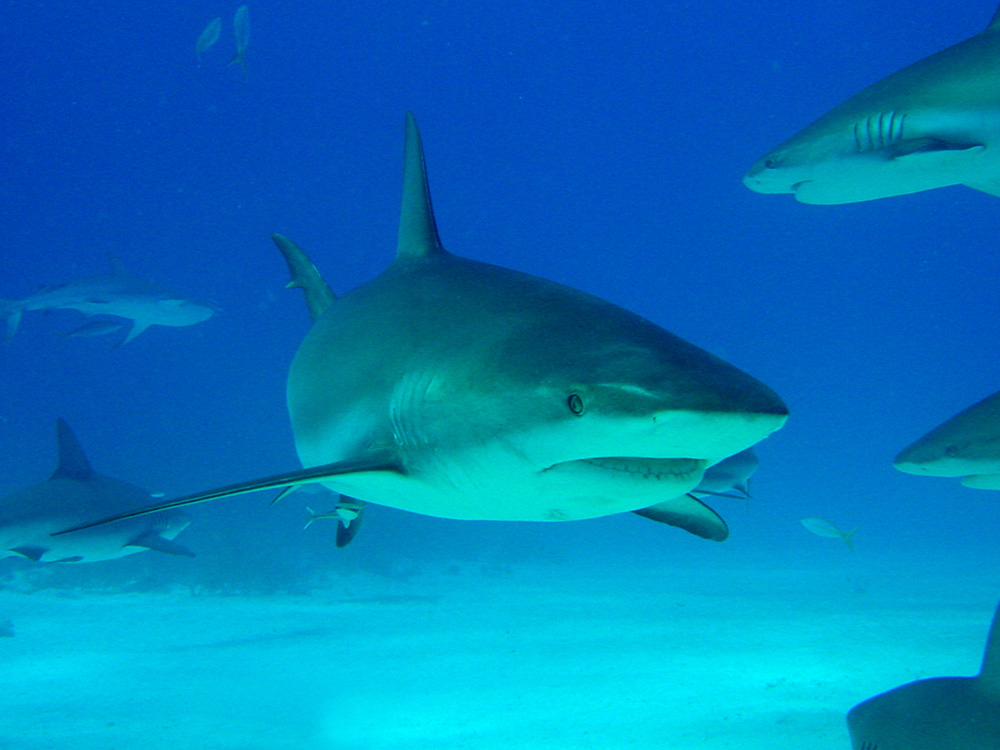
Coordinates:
(926, 126)
(966, 446)
(863, 156)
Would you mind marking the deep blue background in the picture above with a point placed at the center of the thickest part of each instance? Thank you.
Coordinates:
(600, 145)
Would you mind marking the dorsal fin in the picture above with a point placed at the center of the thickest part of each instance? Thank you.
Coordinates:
(418, 235)
(989, 673)
(305, 276)
(73, 464)
(994, 22)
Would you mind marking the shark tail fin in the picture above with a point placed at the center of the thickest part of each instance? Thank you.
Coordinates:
(73, 463)
(989, 673)
(305, 276)
(11, 312)
(418, 235)
(238, 58)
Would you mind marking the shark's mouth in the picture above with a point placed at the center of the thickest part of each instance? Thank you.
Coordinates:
(638, 467)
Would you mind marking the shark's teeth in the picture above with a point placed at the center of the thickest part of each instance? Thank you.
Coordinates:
(651, 468)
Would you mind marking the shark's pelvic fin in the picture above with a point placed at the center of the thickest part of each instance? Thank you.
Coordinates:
(689, 513)
(418, 235)
(73, 463)
(305, 276)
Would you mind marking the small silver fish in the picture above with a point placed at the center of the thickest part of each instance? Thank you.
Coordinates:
(241, 30)
(208, 37)
(822, 527)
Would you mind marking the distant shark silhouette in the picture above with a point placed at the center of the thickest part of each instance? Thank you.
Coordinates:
(74, 493)
(932, 124)
(459, 389)
(119, 294)
(941, 713)
(966, 446)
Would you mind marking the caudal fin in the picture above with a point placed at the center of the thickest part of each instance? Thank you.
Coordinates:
(11, 313)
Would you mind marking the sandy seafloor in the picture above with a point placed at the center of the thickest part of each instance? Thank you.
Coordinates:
(743, 652)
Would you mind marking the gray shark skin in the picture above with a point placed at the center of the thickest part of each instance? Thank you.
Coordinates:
(966, 446)
(118, 294)
(932, 124)
(458, 389)
(73, 493)
(942, 713)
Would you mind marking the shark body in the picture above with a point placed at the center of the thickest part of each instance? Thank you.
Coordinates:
(118, 294)
(941, 713)
(459, 389)
(932, 124)
(73, 493)
(966, 446)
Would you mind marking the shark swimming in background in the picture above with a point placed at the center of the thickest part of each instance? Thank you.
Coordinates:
(966, 446)
(459, 389)
(72, 494)
(118, 294)
(941, 713)
(932, 124)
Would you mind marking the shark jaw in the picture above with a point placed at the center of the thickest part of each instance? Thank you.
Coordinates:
(966, 446)
(981, 473)
(564, 469)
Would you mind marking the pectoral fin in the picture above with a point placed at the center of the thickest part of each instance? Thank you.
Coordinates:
(379, 461)
(982, 481)
(688, 513)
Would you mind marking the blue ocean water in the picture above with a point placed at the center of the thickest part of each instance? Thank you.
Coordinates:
(599, 145)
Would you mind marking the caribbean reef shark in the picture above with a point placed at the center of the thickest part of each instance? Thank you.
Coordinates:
(932, 124)
(966, 446)
(941, 713)
(72, 494)
(118, 294)
(459, 389)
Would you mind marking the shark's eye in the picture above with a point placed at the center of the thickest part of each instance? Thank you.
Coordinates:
(770, 163)
(951, 451)
(575, 403)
